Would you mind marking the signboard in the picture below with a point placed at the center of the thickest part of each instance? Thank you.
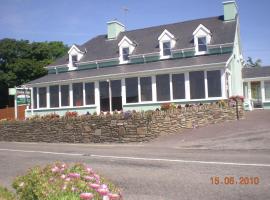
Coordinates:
(23, 96)
(11, 91)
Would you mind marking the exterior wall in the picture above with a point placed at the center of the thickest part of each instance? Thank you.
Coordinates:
(230, 10)
(236, 65)
(123, 127)
(60, 111)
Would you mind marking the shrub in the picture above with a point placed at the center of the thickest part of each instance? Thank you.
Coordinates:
(50, 116)
(5, 194)
(71, 114)
(165, 106)
(60, 182)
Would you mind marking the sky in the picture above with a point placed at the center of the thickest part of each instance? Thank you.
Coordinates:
(75, 22)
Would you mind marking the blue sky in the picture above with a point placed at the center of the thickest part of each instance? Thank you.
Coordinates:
(77, 21)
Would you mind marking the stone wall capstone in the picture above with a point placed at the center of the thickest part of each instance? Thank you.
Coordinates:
(118, 128)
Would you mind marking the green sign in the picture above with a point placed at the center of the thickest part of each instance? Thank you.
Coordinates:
(23, 99)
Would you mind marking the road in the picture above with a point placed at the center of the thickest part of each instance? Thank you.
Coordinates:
(172, 167)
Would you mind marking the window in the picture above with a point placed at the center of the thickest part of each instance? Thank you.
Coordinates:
(202, 45)
(42, 97)
(163, 87)
(77, 94)
(35, 97)
(74, 58)
(125, 54)
(214, 83)
(104, 96)
(89, 93)
(54, 96)
(166, 48)
(197, 89)
(116, 95)
(267, 90)
(178, 84)
(64, 95)
(146, 88)
(132, 90)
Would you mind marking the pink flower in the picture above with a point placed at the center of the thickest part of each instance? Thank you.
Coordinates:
(55, 169)
(89, 178)
(103, 186)
(94, 185)
(73, 189)
(64, 187)
(63, 176)
(64, 165)
(74, 175)
(86, 196)
(67, 179)
(113, 196)
(103, 191)
(89, 170)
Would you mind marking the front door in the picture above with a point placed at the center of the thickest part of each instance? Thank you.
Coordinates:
(256, 95)
(110, 95)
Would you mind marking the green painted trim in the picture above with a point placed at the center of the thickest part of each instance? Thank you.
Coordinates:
(137, 60)
(266, 105)
(62, 69)
(108, 64)
(151, 58)
(87, 66)
(52, 71)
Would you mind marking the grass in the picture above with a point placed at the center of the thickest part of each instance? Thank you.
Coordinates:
(5, 194)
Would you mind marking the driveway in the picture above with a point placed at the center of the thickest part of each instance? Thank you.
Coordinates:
(173, 167)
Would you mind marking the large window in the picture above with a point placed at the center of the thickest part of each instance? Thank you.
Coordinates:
(54, 96)
(89, 93)
(196, 80)
(178, 84)
(104, 96)
(166, 48)
(125, 53)
(34, 97)
(64, 95)
(202, 46)
(132, 90)
(267, 90)
(77, 94)
(146, 88)
(163, 87)
(116, 95)
(42, 97)
(214, 83)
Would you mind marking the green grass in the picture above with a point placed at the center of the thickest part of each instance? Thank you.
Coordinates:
(5, 194)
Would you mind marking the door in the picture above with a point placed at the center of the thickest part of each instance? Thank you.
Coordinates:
(110, 95)
(256, 95)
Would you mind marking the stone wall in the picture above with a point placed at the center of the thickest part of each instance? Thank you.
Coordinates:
(125, 127)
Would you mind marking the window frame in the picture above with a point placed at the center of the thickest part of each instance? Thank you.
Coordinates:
(125, 57)
(170, 49)
(199, 45)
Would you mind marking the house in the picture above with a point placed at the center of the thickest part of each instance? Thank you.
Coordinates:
(197, 61)
(256, 85)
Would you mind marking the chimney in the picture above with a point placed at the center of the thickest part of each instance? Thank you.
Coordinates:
(114, 28)
(230, 10)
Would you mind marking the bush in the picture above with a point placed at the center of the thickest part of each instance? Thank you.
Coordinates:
(5, 194)
(71, 114)
(50, 116)
(60, 182)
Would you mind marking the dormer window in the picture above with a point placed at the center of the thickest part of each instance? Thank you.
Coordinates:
(74, 59)
(75, 55)
(166, 48)
(202, 37)
(125, 54)
(126, 47)
(202, 44)
(166, 43)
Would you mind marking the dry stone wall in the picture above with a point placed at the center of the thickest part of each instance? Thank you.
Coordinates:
(121, 128)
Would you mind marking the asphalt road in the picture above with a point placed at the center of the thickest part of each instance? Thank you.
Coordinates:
(171, 167)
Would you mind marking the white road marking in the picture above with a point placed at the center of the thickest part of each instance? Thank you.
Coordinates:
(43, 152)
(141, 158)
(183, 161)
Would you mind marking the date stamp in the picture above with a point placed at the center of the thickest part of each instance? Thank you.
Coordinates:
(231, 180)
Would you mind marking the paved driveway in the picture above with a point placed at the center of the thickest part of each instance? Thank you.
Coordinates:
(171, 167)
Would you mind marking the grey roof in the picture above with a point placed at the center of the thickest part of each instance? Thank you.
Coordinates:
(256, 72)
(146, 39)
(133, 68)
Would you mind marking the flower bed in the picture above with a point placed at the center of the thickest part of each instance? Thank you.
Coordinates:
(62, 182)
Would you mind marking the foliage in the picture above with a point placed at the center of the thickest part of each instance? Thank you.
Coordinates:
(50, 116)
(5, 194)
(71, 114)
(168, 106)
(222, 103)
(61, 182)
(251, 63)
(235, 98)
(22, 61)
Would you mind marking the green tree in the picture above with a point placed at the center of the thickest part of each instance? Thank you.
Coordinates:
(251, 63)
(22, 61)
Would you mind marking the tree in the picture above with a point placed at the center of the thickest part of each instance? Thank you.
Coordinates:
(257, 63)
(22, 61)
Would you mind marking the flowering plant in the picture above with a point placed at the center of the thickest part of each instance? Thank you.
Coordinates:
(71, 114)
(237, 97)
(59, 181)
